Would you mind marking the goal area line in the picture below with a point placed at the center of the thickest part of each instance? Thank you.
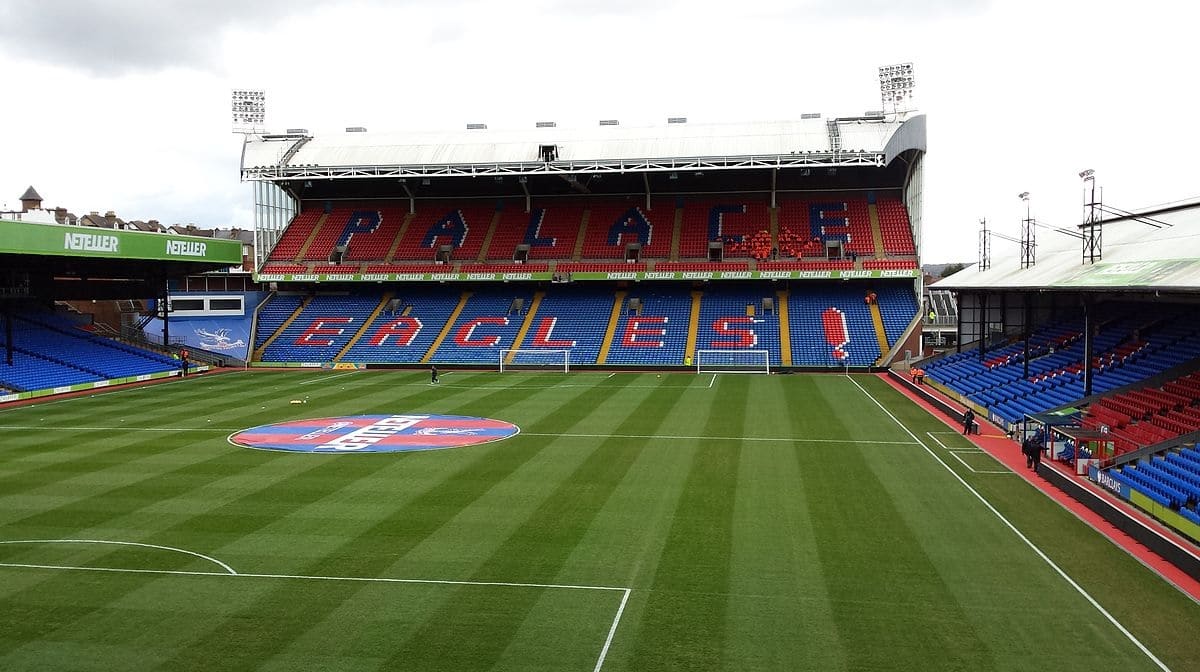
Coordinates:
(733, 361)
(518, 359)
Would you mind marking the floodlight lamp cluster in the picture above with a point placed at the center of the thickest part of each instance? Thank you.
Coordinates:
(249, 106)
(896, 85)
(896, 78)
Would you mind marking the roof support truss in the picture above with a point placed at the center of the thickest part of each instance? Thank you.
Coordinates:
(811, 159)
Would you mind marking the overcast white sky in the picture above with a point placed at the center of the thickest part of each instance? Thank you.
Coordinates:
(124, 104)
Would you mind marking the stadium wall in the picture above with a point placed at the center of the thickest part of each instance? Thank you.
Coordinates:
(1145, 535)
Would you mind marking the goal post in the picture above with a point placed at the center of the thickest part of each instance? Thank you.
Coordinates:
(733, 361)
(535, 360)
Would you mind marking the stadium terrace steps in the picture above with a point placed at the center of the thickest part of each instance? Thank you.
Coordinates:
(278, 314)
(405, 334)
(693, 323)
(895, 227)
(593, 229)
(733, 220)
(657, 335)
(1146, 416)
(34, 373)
(487, 323)
(51, 352)
(613, 319)
(318, 226)
(320, 329)
(1128, 351)
(880, 334)
(731, 319)
(613, 225)
(440, 324)
(462, 226)
(773, 214)
(832, 327)
(876, 232)
(391, 253)
(387, 296)
(527, 322)
(785, 344)
(487, 238)
(287, 248)
(577, 320)
(676, 233)
(584, 220)
(447, 326)
(1171, 479)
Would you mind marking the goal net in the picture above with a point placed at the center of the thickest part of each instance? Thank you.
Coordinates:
(535, 360)
(733, 361)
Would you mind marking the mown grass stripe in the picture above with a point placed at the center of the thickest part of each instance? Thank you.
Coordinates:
(883, 587)
(548, 534)
(692, 575)
(775, 574)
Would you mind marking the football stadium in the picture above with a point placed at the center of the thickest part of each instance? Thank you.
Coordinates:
(608, 398)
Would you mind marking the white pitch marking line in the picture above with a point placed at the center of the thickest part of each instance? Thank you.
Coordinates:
(323, 379)
(224, 566)
(122, 429)
(612, 631)
(955, 451)
(309, 577)
(933, 436)
(714, 379)
(1066, 577)
(718, 438)
(772, 439)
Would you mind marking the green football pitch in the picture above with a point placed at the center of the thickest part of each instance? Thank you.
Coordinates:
(637, 522)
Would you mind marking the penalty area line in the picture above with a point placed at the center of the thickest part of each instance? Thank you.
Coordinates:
(612, 629)
(955, 451)
(323, 379)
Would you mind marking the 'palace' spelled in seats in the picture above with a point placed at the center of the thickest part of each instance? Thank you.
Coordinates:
(678, 228)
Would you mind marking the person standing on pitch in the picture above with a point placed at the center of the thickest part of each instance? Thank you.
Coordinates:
(968, 421)
(433, 377)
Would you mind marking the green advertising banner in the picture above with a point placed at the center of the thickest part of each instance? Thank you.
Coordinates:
(1133, 273)
(635, 276)
(79, 241)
